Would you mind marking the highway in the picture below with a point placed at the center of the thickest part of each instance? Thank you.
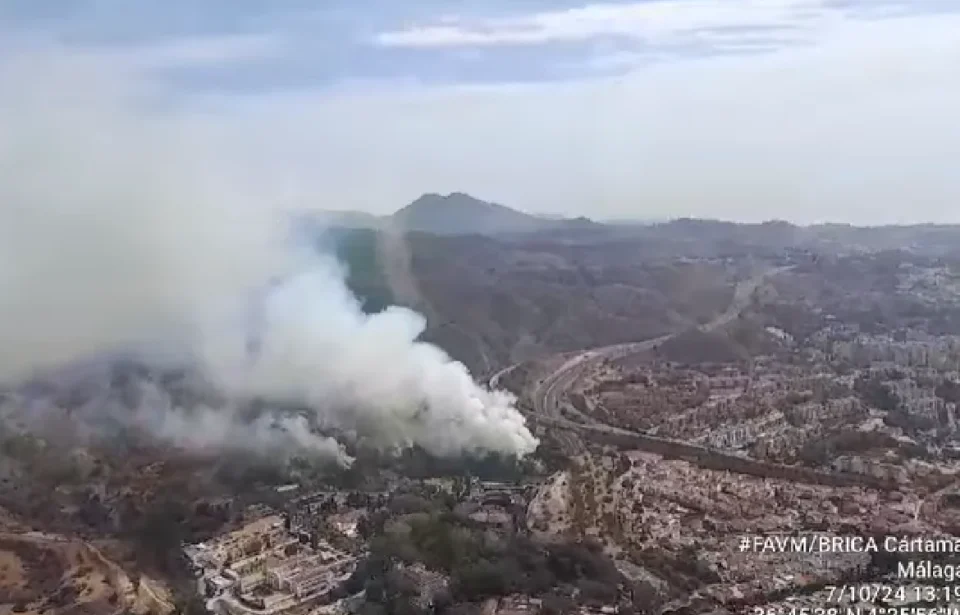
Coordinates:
(548, 394)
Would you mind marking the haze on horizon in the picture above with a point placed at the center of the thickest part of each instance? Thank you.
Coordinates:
(804, 110)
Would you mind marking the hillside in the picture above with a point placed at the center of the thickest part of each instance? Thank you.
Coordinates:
(454, 214)
(695, 346)
(495, 299)
(492, 302)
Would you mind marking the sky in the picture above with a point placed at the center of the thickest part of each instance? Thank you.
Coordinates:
(805, 110)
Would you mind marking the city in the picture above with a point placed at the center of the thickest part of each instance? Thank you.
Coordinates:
(552, 307)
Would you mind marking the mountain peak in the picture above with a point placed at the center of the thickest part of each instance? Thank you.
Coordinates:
(459, 213)
(454, 199)
(456, 213)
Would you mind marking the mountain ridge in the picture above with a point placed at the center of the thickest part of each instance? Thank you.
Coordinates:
(456, 213)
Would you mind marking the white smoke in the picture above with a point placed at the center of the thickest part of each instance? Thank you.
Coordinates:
(370, 372)
(124, 222)
(205, 428)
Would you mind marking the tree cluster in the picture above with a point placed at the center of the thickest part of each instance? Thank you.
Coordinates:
(477, 562)
(875, 393)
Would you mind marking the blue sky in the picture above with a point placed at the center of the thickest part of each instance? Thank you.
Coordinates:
(741, 109)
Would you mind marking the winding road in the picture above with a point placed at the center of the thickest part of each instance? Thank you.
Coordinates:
(548, 394)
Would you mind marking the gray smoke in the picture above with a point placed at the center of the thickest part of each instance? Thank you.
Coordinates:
(126, 223)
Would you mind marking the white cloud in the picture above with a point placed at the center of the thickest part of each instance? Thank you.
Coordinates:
(658, 22)
(859, 126)
(206, 50)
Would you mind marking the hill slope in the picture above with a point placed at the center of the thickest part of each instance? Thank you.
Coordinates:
(454, 214)
(495, 301)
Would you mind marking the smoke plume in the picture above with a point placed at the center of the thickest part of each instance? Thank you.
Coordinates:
(126, 222)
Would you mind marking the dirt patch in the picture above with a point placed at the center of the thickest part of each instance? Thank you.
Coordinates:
(36, 572)
(45, 574)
